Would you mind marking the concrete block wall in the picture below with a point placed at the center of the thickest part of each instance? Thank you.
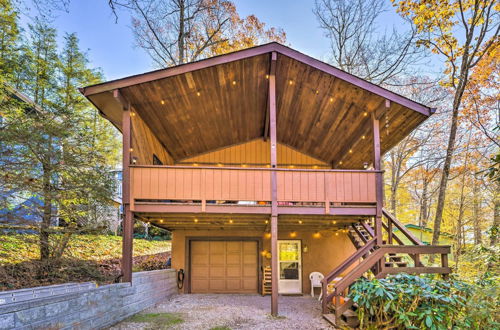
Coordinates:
(94, 308)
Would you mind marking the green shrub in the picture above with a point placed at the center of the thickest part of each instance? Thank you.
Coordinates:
(424, 302)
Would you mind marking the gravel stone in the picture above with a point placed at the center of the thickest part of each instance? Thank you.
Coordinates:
(237, 311)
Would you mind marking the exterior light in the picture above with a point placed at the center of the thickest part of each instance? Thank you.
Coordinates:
(230, 220)
(334, 222)
(315, 167)
(267, 235)
(363, 137)
(290, 82)
(162, 102)
(198, 93)
(131, 149)
(317, 235)
(195, 164)
(219, 164)
(134, 160)
(266, 222)
(350, 151)
(161, 220)
(234, 82)
(317, 92)
(365, 165)
(340, 163)
(196, 220)
(336, 233)
(263, 253)
(293, 234)
(365, 113)
(267, 76)
(300, 222)
(331, 99)
(132, 114)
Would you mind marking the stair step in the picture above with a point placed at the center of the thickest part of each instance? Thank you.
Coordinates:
(351, 318)
(396, 264)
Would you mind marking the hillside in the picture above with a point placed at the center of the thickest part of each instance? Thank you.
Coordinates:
(87, 258)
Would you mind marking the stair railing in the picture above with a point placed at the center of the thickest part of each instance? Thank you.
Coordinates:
(341, 268)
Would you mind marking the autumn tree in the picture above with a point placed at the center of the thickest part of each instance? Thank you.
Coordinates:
(461, 32)
(174, 32)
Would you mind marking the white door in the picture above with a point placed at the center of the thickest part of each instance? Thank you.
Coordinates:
(289, 267)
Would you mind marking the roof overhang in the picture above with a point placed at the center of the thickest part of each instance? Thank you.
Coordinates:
(206, 105)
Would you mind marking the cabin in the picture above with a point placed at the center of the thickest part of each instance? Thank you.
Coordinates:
(265, 164)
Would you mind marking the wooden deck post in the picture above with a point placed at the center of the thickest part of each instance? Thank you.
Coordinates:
(378, 182)
(274, 184)
(128, 220)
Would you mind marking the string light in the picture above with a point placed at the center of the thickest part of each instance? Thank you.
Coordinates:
(350, 151)
(334, 222)
(331, 99)
(266, 222)
(196, 220)
(340, 163)
(267, 76)
(290, 82)
(365, 113)
(300, 222)
(234, 82)
(363, 137)
(162, 102)
(161, 220)
(198, 93)
(131, 149)
(231, 221)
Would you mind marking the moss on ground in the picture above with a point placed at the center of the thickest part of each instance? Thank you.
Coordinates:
(157, 320)
(221, 328)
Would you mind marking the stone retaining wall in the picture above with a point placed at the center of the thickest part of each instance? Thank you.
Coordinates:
(91, 309)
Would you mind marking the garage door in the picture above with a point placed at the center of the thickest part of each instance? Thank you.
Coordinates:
(224, 266)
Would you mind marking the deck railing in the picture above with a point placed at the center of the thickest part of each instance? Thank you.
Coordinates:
(190, 183)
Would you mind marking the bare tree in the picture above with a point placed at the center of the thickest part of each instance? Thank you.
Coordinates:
(357, 45)
(174, 32)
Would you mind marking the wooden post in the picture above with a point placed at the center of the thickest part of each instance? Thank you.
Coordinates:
(128, 221)
(274, 184)
(444, 263)
(379, 179)
(389, 231)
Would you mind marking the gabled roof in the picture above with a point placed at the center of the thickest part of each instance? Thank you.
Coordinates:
(221, 101)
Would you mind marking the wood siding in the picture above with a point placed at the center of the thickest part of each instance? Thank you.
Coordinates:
(256, 153)
(191, 183)
(145, 144)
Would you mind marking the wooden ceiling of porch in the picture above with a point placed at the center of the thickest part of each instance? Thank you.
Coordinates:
(321, 111)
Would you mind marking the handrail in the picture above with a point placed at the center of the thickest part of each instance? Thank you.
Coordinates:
(256, 168)
(401, 227)
(368, 228)
(343, 266)
(354, 274)
(349, 261)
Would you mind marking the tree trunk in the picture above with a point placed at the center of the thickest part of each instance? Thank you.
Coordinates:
(181, 36)
(476, 214)
(47, 215)
(496, 216)
(424, 204)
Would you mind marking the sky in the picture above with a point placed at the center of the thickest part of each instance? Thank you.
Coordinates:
(110, 44)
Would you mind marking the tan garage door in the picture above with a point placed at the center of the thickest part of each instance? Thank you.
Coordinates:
(224, 266)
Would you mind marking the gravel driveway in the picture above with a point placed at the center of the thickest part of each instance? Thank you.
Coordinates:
(232, 311)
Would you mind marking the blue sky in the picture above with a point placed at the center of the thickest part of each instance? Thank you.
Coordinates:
(110, 45)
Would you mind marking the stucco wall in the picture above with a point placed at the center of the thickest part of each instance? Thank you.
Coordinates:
(323, 255)
(92, 309)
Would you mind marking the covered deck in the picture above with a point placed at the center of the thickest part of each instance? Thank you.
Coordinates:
(265, 137)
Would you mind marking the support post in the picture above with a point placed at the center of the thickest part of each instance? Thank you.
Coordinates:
(128, 221)
(379, 179)
(274, 184)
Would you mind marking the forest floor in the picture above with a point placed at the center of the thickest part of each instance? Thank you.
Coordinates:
(87, 258)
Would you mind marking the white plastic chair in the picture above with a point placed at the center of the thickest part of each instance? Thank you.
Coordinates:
(316, 278)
